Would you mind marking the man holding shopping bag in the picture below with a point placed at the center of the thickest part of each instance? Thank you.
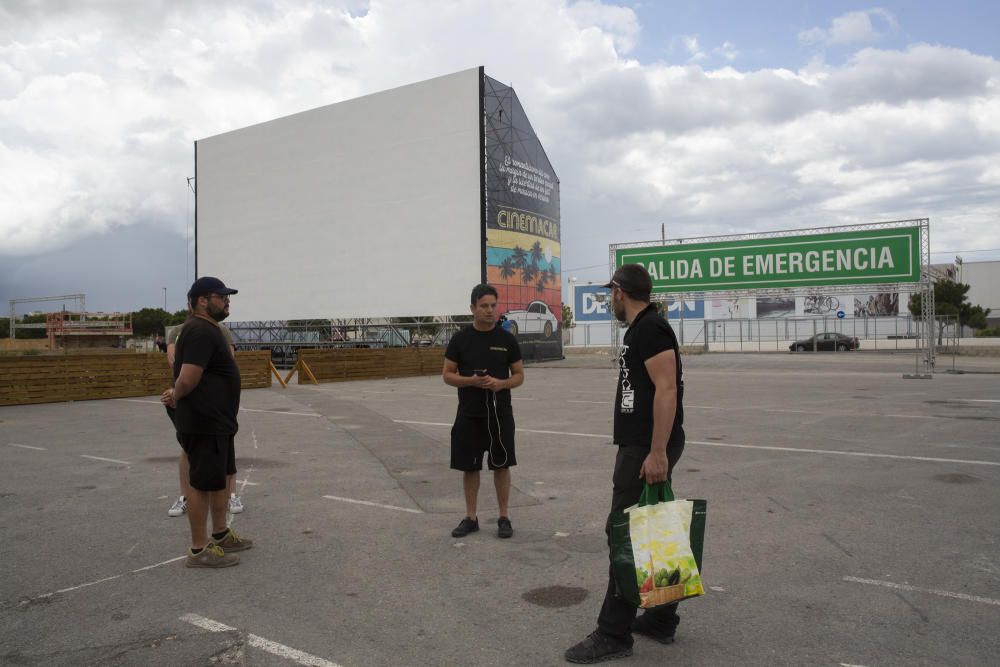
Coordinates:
(648, 429)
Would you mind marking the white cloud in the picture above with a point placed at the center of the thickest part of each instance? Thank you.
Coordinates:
(727, 51)
(694, 50)
(99, 110)
(853, 27)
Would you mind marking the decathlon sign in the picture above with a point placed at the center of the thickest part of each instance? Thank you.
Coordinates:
(874, 256)
(590, 303)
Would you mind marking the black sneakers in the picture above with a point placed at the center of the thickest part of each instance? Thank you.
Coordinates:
(597, 648)
(645, 626)
(467, 526)
(504, 529)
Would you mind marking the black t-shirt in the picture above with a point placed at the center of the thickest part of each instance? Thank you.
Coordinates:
(648, 336)
(494, 350)
(212, 407)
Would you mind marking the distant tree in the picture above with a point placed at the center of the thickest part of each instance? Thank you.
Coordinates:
(32, 333)
(149, 321)
(567, 316)
(177, 318)
(950, 303)
(4, 327)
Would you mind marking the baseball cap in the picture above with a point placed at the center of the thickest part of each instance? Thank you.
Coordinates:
(208, 285)
(633, 280)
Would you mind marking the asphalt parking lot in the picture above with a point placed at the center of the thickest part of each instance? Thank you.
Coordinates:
(854, 519)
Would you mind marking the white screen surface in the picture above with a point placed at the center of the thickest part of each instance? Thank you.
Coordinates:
(367, 208)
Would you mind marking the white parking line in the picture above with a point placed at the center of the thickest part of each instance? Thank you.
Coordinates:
(799, 450)
(522, 430)
(827, 413)
(835, 452)
(100, 581)
(101, 458)
(282, 412)
(14, 444)
(367, 502)
(273, 412)
(280, 650)
(916, 589)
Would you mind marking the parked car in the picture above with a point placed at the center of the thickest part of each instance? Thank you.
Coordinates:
(826, 342)
(536, 318)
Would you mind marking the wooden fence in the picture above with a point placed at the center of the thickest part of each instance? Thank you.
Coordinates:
(85, 377)
(342, 365)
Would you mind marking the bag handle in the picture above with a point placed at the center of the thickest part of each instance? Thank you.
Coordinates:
(656, 493)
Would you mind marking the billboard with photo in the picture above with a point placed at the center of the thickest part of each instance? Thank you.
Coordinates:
(590, 304)
(694, 309)
(774, 307)
(880, 304)
(522, 233)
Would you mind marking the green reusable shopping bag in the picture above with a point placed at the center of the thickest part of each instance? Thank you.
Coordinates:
(656, 548)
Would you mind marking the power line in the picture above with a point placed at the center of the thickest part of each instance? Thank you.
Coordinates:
(948, 252)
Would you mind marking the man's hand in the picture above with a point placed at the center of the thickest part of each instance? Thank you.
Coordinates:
(167, 398)
(491, 383)
(654, 468)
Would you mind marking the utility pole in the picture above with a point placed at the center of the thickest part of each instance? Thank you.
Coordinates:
(164, 299)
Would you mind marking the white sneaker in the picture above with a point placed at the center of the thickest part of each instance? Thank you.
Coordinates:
(235, 504)
(179, 507)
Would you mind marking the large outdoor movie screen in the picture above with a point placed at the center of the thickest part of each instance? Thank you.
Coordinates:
(367, 208)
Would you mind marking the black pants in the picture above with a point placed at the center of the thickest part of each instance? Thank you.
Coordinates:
(615, 619)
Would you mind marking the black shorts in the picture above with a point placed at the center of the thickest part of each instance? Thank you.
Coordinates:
(474, 439)
(210, 459)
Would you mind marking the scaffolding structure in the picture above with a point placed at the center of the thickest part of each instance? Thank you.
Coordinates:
(80, 301)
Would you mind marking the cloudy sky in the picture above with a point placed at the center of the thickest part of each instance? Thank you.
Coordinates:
(707, 117)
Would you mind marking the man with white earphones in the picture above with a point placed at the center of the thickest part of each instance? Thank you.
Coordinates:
(484, 362)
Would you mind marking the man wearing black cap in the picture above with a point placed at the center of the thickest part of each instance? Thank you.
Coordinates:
(648, 431)
(206, 395)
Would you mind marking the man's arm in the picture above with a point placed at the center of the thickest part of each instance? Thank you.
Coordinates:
(184, 384)
(662, 369)
(451, 377)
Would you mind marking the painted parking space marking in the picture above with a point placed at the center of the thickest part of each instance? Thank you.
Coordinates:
(874, 455)
(70, 589)
(827, 413)
(282, 412)
(799, 450)
(14, 444)
(917, 589)
(101, 458)
(256, 641)
(271, 412)
(521, 430)
(371, 504)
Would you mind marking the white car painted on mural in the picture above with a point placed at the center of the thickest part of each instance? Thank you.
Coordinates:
(535, 319)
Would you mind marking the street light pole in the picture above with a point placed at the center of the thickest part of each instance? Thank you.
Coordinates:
(164, 299)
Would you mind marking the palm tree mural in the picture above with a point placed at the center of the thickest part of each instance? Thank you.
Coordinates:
(537, 253)
(519, 257)
(528, 275)
(507, 270)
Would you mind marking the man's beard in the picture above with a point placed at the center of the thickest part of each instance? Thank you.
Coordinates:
(218, 315)
(619, 310)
